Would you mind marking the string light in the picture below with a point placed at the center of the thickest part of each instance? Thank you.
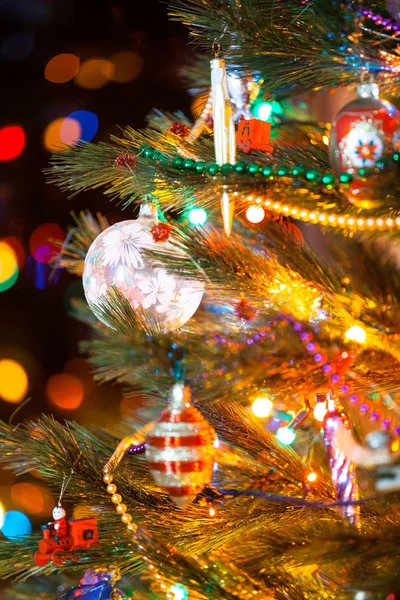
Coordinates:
(197, 216)
(178, 592)
(356, 334)
(255, 213)
(320, 411)
(262, 407)
(311, 477)
(261, 109)
(286, 435)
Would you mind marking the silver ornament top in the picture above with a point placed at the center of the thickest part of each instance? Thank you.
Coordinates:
(368, 90)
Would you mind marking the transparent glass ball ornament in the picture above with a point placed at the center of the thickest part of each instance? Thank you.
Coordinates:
(116, 259)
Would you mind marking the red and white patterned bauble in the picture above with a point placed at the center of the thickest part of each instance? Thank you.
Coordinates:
(364, 135)
(116, 258)
(180, 449)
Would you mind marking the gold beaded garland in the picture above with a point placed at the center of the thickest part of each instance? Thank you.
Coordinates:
(116, 498)
(107, 478)
(132, 527)
(121, 508)
(126, 518)
(111, 488)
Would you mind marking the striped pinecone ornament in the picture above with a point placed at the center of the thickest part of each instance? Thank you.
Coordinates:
(180, 449)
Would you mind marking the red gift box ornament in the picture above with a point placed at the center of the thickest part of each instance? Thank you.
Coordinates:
(253, 134)
(180, 449)
(364, 136)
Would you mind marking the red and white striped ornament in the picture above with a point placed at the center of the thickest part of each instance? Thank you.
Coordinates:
(180, 449)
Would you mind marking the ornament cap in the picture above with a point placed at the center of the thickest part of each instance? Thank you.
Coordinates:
(368, 90)
(180, 396)
(148, 208)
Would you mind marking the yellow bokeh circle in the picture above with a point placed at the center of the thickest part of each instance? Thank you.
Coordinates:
(13, 380)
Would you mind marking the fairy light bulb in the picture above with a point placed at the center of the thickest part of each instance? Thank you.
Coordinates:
(197, 216)
(320, 411)
(262, 109)
(262, 407)
(255, 213)
(286, 435)
(178, 592)
(311, 477)
(356, 334)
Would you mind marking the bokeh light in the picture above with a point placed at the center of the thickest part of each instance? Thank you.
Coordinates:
(61, 133)
(178, 592)
(127, 66)
(17, 47)
(15, 524)
(255, 213)
(88, 124)
(13, 380)
(14, 243)
(12, 142)
(356, 334)
(8, 266)
(41, 274)
(94, 73)
(46, 241)
(311, 477)
(262, 110)
(62, 68)
(1, 515)
(197, 216)
(285, 435)
(65, 391)
(262, 407)
(320, 411)
(32, 498)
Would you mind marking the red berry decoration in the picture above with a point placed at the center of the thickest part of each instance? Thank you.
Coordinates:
(244, 310)
(179, 129)
(126, 160)
(161, 232)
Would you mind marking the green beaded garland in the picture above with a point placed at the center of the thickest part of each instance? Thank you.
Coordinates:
(282, 171)
(177, 162)
(227, 169)
(213, 169)
(311, 175)
(296, 171)
(267, 170)
(328, 178)
(253, 168)
(188, 163)
(240, 166)
(345, 178)
(200, 167)
(148, 153)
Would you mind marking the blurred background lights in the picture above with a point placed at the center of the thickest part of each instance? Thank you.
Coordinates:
(94, 73)
(262, 407)
(88, 124)
(61, 133)
(46, 241)
(65, 391)
(17, 47)
(262, 110)
(8, 266)
(1, 515)
(61, 68)
(311, 477)
(255, 213)
(178, 592)
(356, 334)
(33, 499)
(12, 142)
(320, 411)
(16, 245)
(13, 380)
(197, 216)
(15, 524)
(127, 66)
(285, 435)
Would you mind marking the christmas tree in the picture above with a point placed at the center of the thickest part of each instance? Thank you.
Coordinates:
(263, 464)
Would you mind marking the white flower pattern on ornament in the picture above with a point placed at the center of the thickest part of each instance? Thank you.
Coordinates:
(159, 288)
(94, 290)
(123, 246)
(181, 303)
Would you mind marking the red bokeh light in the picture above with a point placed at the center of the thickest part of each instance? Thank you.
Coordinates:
(65, 391)
(43, 242)
(12, 142)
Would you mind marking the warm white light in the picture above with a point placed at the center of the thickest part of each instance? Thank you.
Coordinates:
(255, 213)
(320, 411)
(262, 407)
(1, 515)
(356, 334)
(311, 477)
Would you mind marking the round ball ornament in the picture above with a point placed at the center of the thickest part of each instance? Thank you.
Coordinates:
(364, 136)
(180, 449)
(116, 259)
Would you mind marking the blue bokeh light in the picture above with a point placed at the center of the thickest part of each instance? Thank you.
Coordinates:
(16, 524)
(88, 121)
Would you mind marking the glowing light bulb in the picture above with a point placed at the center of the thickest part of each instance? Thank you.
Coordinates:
(262, 407)
(255, 213)
(262, 110)
(311, 477)
(320, 411)
(178, 592)
(197, 216)
(356, 334)
(285, 435)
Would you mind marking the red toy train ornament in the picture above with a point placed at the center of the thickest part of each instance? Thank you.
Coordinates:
(253, 134)
(58, 547)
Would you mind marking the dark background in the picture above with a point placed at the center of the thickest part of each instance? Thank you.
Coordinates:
(35, 327)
